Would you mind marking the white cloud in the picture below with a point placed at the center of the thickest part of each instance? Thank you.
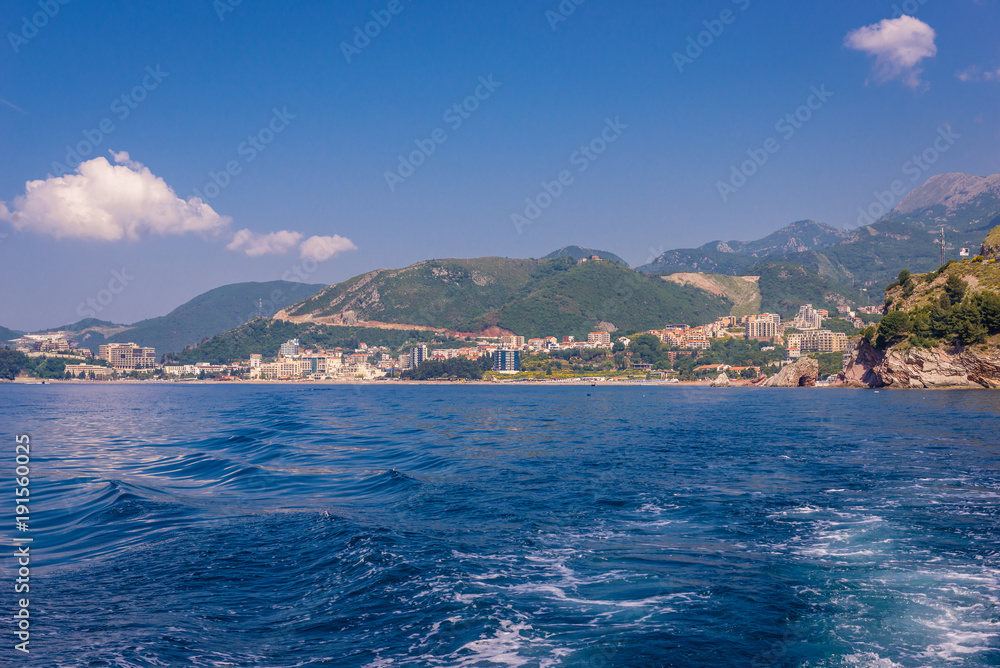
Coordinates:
(111, 202)
(108, 202)
(974, 74)
(272, 243)
(324, 248)
(898, 46)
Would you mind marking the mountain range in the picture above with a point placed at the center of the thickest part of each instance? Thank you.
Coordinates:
(965, 206)
(804, 262)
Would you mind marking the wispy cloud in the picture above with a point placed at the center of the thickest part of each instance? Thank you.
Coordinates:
(975, 75)
(13, 106)
(899, 46)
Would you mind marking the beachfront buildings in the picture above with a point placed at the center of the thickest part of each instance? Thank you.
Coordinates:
(89, 371)
(283, 368)
(818, 341)
(507, 361)
(127, 356)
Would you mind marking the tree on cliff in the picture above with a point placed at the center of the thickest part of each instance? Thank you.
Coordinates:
(893, 326)
(955, 288)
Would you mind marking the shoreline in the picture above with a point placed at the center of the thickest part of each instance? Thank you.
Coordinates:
(514, 383)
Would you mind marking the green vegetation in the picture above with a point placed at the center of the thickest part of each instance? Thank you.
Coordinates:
(840, 325)
(47, 367)
(265, 336)
(530, 297)
(578, 252)
(740, 352)
(743, 293)
(648, 349)
(44, 367)
(785, 286)
(573, 299)
(930, 311)
(457, 368)
(830, 364)
(206, 315)
(434, 293)
(7, 335)
(893, 327)
(11, 363)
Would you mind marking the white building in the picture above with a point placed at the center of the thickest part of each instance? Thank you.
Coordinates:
(128, 356)
(289, 348)
(807, 318)
(100, 372)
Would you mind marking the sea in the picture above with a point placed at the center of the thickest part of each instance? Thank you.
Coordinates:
(502, 525)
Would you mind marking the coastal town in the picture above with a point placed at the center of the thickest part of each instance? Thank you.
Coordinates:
(506, 356)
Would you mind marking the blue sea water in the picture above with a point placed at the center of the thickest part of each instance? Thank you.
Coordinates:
(380, 526)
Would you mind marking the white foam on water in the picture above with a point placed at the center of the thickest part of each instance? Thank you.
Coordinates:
(870, 660)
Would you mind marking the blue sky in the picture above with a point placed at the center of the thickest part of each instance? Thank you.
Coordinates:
(202, 78)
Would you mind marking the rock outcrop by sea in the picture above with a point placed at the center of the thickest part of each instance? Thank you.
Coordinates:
(919, 368)
(721, 381)
(804, 372)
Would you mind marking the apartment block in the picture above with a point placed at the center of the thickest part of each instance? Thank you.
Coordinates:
(283, 368)
(507, 361)
(100, 372)
(807, 318)
(289, 348)
(820, 341)
(599, 337)
(127, 356)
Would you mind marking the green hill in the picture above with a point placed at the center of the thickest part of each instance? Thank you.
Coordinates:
(574, 299)
(785, 286)
(959, 303)
(529, 297)
(579, 252)
(204, 316)
(8, 334)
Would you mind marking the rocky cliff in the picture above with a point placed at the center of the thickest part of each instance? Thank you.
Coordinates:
(918, 368)
(991, 246)
(804, 372)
